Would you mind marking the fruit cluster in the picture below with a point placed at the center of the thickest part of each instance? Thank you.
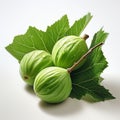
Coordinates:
(56, 64)
(49, 74)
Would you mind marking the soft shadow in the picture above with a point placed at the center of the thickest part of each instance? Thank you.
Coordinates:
(68, 107)
(112, 106)
(73, 106)
(29, 89)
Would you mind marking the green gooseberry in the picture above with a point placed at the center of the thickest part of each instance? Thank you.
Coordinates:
(32, 63)
(53, 84)
(69, 50)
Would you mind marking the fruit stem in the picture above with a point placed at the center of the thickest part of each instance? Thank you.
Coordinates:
(83, 57)
(85, 37)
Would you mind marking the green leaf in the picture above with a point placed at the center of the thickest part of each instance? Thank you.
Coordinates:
(55, 32)
(79, 25)
(90, 87)
(86, 79)
(96, 62)
(22, 44)
(36, 39)
(96, 58)
(100, 36)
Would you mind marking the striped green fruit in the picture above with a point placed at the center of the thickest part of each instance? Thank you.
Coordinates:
(32, 63)
(53, 84)
(69, 50)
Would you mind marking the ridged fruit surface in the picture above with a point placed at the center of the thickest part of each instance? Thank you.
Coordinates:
(69, 50)
(53, 84)
(32, 63)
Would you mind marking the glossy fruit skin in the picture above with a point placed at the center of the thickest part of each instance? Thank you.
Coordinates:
(32, 63)
(53, 84)
(69, 50)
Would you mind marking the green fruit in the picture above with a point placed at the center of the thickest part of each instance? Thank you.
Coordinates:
(53, 84)
(32, 63)
(69, 50)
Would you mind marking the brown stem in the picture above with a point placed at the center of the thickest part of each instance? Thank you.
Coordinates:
(85, 37)
(83, 57)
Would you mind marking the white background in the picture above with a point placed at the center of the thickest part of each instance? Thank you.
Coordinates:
(17, 101)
